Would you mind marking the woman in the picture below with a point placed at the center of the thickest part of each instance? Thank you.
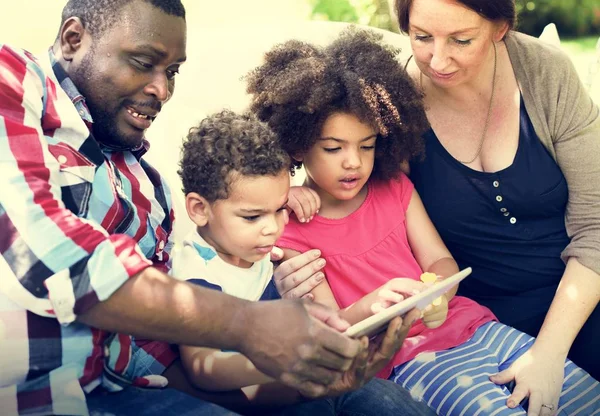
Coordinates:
(511, 178)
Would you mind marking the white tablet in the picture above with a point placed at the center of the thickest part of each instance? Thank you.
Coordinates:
(375, 323)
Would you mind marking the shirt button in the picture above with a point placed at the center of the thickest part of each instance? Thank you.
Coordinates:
(62, 159)
(499, 198)
(513, 220)
(81, 113)
(506, 214)
(496, 184)
(161, 245)
(502, 209)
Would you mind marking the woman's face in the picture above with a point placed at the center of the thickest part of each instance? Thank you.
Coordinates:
(451, 43)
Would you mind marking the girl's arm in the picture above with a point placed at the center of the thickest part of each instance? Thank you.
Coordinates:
(391, 292)
(213, 370)
(426, 244)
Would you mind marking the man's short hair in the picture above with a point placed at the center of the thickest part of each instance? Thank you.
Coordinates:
(98, 16)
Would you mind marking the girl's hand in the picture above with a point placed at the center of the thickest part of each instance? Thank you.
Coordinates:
(304, 202)
(435, 314)
(538, 375)
(394, 291)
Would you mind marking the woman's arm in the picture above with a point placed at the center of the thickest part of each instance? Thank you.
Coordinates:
(213, 370)
(577, 295)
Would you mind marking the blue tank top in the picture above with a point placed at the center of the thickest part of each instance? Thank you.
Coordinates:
(508, 225)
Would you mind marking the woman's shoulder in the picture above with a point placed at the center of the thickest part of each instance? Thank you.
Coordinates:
(532, 55)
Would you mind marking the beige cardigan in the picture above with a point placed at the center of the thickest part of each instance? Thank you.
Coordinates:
(568, 124)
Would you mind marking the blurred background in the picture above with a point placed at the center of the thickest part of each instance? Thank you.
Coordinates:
(227, 38)
(32, 24)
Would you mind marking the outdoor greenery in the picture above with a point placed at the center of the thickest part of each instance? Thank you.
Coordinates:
(572, 17)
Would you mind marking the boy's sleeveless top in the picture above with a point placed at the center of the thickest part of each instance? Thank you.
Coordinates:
(369, 247)
(508, 225)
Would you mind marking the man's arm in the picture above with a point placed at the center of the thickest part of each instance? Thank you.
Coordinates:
(156, 306)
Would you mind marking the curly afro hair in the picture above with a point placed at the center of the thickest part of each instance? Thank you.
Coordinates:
(300, 85)
(226, 144)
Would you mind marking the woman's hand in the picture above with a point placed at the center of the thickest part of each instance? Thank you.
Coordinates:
(538, 375)
(304, 202)
(435, 314)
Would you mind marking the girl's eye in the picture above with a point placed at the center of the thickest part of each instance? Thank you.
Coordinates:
(462, 42)
(251, 218)
(331, 149)
(368, 147)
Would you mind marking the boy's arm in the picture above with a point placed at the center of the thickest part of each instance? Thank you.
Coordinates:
(213, 370)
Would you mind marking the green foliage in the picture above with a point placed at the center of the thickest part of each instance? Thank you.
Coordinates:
(572, 17)
(366, 12)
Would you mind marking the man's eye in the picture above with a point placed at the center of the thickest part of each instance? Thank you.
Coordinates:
(171, 73)
(144, 65)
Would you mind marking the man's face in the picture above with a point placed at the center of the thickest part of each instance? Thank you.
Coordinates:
(128, 72)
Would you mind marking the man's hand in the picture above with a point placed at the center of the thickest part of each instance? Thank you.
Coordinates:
(374, 358)
(304, 202)
(296, 277)
(298, 343)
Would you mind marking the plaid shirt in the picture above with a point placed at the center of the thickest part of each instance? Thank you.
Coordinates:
(76, 221)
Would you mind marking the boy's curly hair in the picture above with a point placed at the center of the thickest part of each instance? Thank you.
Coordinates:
(226, 143)
(300, 85)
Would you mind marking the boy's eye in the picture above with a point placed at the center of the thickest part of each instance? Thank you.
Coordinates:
(251, 218)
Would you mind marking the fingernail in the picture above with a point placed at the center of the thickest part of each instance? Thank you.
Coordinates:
(321, 263)
(511, 403)
(317, 253)
(320, 277)
(301, 219)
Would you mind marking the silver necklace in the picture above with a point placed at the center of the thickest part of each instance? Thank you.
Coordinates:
(489, 112)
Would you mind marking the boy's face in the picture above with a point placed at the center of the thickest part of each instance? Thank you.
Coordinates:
(244, 227)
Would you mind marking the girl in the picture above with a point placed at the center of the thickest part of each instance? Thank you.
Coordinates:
(352, 117)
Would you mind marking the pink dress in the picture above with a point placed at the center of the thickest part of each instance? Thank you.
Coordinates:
(369, 247)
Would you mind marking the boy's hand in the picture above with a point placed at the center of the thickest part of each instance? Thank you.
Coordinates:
(435, 314)
(304, 202)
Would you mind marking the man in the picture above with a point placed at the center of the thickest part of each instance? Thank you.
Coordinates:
(84, 236)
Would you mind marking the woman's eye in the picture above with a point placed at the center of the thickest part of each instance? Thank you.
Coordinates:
(462, 42)
(422, 38)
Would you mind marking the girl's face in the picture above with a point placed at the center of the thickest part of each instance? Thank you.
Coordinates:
(340, 163)
(451, 43)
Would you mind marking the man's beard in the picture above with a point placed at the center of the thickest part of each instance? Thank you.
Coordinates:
(104, 124)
